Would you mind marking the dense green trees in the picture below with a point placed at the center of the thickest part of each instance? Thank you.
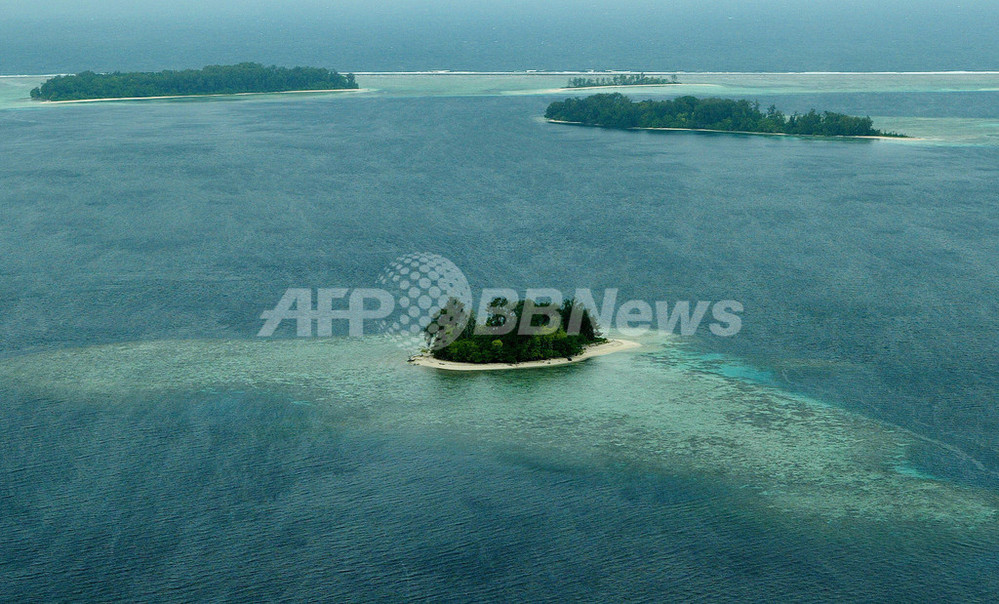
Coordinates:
(214, 79)
(566, 336)
(621, 80)
(618, 111)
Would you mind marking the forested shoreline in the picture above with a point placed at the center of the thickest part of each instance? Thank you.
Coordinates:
(213, 79)
(507, 341)
(614, 110)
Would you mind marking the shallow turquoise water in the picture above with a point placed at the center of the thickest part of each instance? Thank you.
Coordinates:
(335, 461)
(921, 105)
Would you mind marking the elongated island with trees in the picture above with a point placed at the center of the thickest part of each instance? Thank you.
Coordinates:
(213, 79)
(508, 339)
(614, 110)
(621, 80)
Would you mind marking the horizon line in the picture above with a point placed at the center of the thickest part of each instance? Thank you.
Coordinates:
(543, 72)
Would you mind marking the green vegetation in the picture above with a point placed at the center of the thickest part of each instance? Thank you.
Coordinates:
(618, 111)
(506, 338)
(621, 80)
(214, 79)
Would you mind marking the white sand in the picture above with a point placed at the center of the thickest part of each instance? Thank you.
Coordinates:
(425, 360)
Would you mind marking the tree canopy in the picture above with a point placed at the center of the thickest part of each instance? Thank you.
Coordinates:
(213, 79)
(621, 80)
(614, 110)
(566, 336)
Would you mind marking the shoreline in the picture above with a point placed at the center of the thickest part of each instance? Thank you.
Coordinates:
(833, 136)
(198, 96)
(596, 350)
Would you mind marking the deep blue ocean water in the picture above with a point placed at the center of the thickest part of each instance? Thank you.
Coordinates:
(867, 270)
(755, 35)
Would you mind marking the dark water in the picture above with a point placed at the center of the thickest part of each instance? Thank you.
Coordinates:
(761, 35)
(228, 495)
(867, 269)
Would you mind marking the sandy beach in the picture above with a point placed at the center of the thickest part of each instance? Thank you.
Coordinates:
(609, 347)
(200, 96)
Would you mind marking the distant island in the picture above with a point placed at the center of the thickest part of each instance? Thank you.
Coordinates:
(561, 332)
(213, 79)
(621, 80)
(614, 110)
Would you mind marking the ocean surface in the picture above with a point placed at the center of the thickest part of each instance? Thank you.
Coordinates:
(844, 445)
(352, 35)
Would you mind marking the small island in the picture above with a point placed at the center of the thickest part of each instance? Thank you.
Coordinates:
(614, 110)
(244, 78)
(621, 80)
(525, 335)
